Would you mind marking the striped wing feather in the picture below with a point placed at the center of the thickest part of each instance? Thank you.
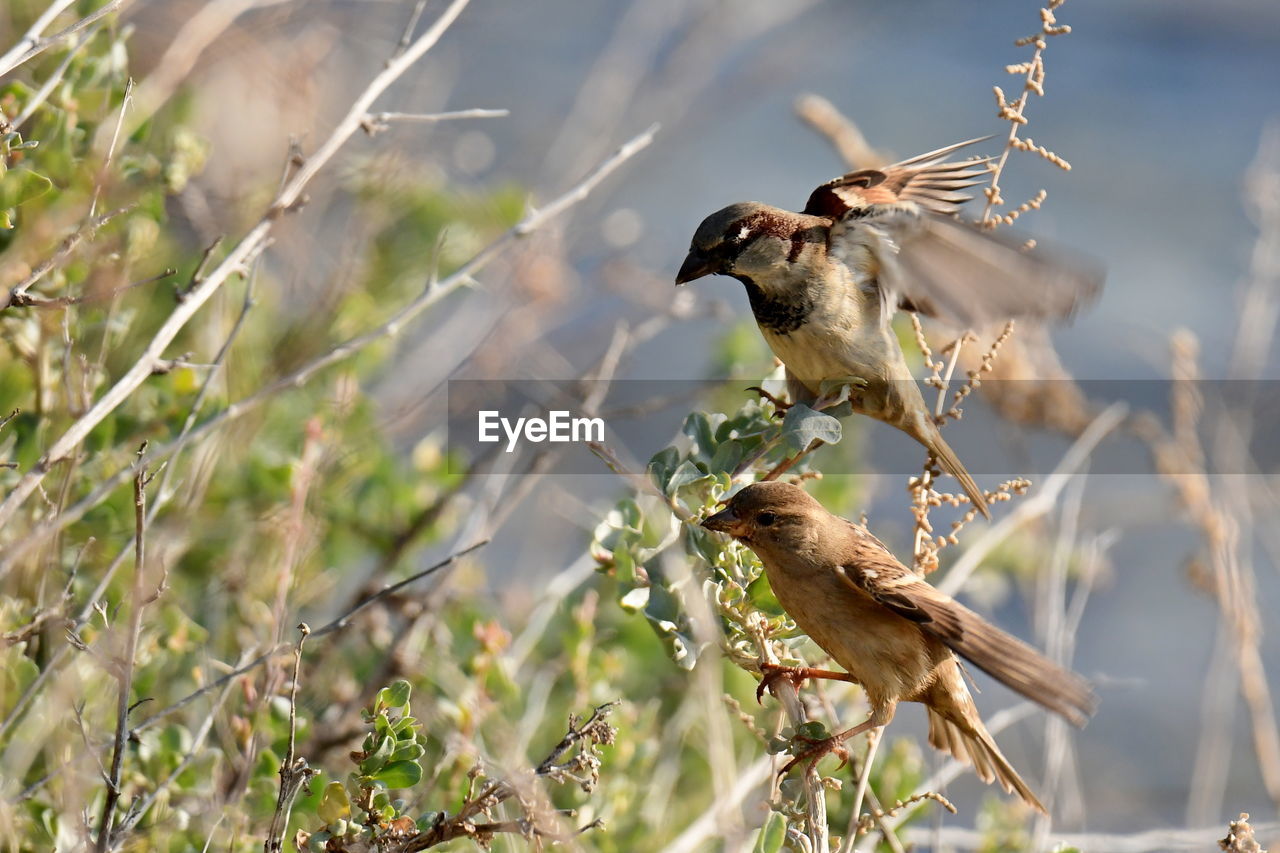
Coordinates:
(929, 181)
(1002, 656)
(957, 272)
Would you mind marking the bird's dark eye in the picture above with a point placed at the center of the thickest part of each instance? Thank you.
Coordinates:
(765, 519)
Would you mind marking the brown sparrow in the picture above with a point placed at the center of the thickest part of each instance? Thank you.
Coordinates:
(892, 632)
(825, 283)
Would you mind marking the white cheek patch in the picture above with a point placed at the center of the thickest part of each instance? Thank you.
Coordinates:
(744, 233)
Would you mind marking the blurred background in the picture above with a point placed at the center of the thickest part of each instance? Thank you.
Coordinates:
(1166, 109)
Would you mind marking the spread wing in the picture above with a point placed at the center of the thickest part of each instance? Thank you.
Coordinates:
(1002, 656)
(928, 180)
(964, 275)
(970, 277)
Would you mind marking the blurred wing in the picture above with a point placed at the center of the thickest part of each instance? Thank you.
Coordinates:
(961, 274)
(927, 180)
(1000, 655)
(970, 277)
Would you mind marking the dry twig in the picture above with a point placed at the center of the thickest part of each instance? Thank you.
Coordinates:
(295, 772)
(33, 43)
(1015, 113)
(137, 601)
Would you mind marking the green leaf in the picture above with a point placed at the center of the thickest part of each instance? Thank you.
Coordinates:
(684, 475)
(268, 763)
(762, 597)
(802, 426)
(727, 457)
(625, 566)
(812, 730)
(619, 525)
(401, 774)
(397, 695)
(19, 186)
(662, 465)
(698, 427)
(408, 751)
(772, 835)
(666, 615)
(377, 760)
(404, 727)
(19, 671)
(335, 805)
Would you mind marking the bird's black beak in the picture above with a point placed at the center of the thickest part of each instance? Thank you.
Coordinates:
(696, 265)
(726, 521)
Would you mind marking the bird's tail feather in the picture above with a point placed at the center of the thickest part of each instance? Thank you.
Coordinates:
(931, 437)
(1009, 660)
(974, 745)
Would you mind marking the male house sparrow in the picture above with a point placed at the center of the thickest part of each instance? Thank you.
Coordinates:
(824, 283)
(893, 633)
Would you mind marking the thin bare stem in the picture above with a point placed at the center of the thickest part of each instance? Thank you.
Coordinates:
(412, 25)
(32, 44)
(111, 148)
(40, 302)
(377, 122)
(295, 772)
(137, 601)
(873, 744)
(1015, 114)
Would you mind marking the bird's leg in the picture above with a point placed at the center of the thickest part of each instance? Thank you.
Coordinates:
(880, 717)
(797, 675)
(819, 748)
(779, 404)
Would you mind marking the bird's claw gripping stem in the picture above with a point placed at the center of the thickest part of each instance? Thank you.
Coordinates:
(778, 403)
(797, 675)
(817, 749)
